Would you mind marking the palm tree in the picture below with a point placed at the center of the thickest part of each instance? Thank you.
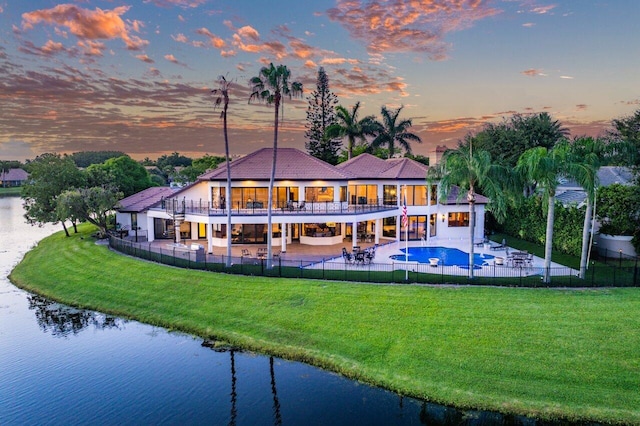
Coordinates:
(390, 132)
(350, 127)
(269, 86)
(222, 93)
(588, 153)
(543, 167)
(470, 169)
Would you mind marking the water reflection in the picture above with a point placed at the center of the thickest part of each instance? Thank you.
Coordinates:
(61, 320)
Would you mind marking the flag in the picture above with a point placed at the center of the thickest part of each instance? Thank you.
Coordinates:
(405, 218)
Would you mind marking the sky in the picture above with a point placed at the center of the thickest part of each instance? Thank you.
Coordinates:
(137, 76)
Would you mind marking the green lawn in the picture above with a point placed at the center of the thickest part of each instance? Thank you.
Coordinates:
(13, 191)
(571, 354)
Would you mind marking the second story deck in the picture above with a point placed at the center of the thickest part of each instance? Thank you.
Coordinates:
(199, 207)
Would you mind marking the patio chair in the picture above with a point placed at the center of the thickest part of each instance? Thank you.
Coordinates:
(262, 253)
(348, 257)
(246, 253)
(301, 206)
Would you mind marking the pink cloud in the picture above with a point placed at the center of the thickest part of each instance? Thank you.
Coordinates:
(86, 24)
(179, 3)
(398, 26)
(145, 58)
(532, 72)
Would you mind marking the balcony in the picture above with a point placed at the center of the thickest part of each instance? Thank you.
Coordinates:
(255, 208)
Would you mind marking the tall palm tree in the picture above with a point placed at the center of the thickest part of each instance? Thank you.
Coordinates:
(350, 127)
(470, 169)
(222, 93)
(269, 86)
(543, 167)
(587, 153)
(391, 131)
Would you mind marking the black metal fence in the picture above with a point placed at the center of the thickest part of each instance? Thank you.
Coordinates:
(624, 274)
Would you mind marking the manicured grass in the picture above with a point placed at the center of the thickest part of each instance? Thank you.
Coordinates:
(570, 354)
(13, 191)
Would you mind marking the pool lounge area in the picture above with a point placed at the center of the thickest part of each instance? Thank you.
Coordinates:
(452, 255)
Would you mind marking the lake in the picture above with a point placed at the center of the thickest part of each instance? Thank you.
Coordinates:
(61, 365)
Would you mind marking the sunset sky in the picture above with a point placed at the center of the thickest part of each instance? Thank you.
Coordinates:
(136, 76)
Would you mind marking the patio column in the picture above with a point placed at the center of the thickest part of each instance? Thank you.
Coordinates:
(283, 237)
(354, 233)
(151, 234)
(209, 238)
(376, 235)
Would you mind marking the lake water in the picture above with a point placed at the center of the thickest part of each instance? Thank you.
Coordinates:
(60, 365)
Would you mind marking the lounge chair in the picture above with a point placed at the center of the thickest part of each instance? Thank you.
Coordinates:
(500, 246)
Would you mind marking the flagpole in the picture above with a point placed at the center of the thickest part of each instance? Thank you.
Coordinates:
(406, 236)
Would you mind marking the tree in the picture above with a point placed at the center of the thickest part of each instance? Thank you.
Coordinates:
(84, 159)
(222, 93)
(390, 132)
(126, 174)
(470, 168)
(508, 140)
(91, 205)
(320, 115)
(627, 129)
(350, 127)
(543, 167)
(269, 86)
(50, 175)
(587, 153)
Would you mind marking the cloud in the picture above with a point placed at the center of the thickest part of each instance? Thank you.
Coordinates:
(541, 10)
(533, 72)
(180, 3)
(145, 58)
(214, 40)
(566, 77)
(399, 26)
(581, 107)
(528, 24)
(87, 24)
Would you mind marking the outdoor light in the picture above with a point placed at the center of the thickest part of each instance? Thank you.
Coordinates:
(443, 217)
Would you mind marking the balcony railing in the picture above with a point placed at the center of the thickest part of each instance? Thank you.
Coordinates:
(200, 207)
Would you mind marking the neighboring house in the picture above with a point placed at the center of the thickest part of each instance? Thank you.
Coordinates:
(314, 203)
(569, 192)
(13, 177)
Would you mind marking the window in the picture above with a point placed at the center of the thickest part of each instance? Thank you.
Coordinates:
(363, 194)
(416, 194)
(318, 194)
(457, 219)
(389, 195)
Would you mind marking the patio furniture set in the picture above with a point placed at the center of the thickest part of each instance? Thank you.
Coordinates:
(359, 256)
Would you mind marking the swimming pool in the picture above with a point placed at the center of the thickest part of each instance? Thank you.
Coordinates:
(447, 256)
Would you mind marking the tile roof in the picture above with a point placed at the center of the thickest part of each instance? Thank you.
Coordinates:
(364, 166)
(607, 175)
(405, 168)
(292, 164)
(367, 166)
(14, 175)
(141, 201)
(454, 198)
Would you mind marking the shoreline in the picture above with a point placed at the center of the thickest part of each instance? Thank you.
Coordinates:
(324, 324)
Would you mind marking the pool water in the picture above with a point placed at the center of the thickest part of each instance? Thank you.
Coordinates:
(447, 256)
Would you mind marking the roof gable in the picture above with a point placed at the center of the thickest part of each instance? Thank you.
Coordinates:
(364, 166)
(145, 199)
(14, 175)
(405, 168)
(291, 164)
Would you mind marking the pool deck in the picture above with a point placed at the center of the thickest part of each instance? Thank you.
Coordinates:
(384, 262)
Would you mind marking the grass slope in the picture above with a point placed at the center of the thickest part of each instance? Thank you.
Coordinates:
(546, 353)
